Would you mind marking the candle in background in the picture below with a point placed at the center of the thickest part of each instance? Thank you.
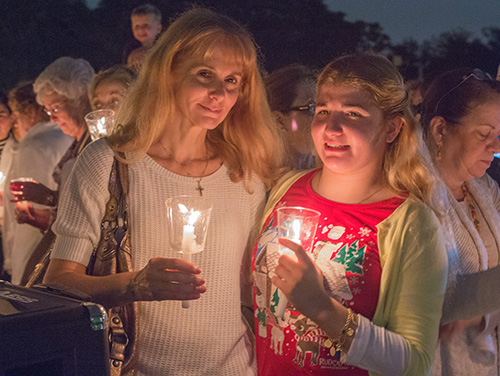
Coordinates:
(101, 129)
(100, 123)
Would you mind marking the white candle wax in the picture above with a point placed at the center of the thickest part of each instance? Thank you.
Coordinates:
(188, 243)
(296, 226)
(295, 237)
(188, 246)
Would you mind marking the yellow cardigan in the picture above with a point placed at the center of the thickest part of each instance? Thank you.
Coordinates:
(413, 280)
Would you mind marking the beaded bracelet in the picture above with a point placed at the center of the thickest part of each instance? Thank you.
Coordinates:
(347, 330)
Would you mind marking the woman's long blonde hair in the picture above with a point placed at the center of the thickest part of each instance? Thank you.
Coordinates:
(246, 140)
(407, 165)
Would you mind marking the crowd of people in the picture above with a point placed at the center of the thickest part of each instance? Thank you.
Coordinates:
(402, 273)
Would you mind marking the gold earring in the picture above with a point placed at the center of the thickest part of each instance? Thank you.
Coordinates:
(438, 152)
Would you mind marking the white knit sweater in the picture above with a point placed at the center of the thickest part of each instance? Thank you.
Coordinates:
(472, 289)
(210, 338)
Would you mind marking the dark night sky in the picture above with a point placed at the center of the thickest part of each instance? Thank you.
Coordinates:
(421, 19)
(417, 19)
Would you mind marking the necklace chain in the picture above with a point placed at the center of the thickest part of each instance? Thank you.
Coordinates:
(470, 204)
(370, 196)
(198, 188)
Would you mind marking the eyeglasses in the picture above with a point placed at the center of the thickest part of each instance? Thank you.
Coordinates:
(311, 107)
(55, 109)
(478, 74)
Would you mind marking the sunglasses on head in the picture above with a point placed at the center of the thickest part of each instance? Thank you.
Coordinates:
(478, 74)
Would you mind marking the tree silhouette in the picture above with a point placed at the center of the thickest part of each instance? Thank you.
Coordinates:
(35, 33)
(303, 31)
(448, 51)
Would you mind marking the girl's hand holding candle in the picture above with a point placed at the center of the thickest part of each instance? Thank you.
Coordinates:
(299, 225)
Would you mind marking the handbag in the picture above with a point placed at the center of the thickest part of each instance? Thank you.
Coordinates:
(111, 255)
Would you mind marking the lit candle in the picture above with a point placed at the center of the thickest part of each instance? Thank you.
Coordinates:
(100, 126)
(295, 232)
(188, 243)
(298, 225)
(294, 236)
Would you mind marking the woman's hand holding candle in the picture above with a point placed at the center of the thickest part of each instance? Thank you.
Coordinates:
(31, 190)
(167, 279)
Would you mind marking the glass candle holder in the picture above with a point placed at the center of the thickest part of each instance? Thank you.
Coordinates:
(298, 225)
(100, 123)
(188, 220)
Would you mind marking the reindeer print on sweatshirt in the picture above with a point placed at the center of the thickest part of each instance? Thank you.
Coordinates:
(346, 251)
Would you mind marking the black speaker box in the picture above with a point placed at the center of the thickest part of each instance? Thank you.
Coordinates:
(46, 333)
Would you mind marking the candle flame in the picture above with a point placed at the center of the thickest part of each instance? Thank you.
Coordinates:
(192, 215)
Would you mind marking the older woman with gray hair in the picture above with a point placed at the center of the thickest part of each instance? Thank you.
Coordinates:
(62, 89)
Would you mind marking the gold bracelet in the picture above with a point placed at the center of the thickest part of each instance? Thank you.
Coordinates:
(347, 330)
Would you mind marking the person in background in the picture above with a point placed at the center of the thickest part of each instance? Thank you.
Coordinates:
(146, 26)
(494, 169)
(106, 91)
(461, 120)
(109, 87)
(5, 114)
(9, 153)
(368, 300)
(63, 90)
(291, 91)
(415, 90)
(38, 153)
(196, 122)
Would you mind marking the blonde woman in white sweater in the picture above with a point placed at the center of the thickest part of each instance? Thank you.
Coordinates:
(196, 117)
(461, 119)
